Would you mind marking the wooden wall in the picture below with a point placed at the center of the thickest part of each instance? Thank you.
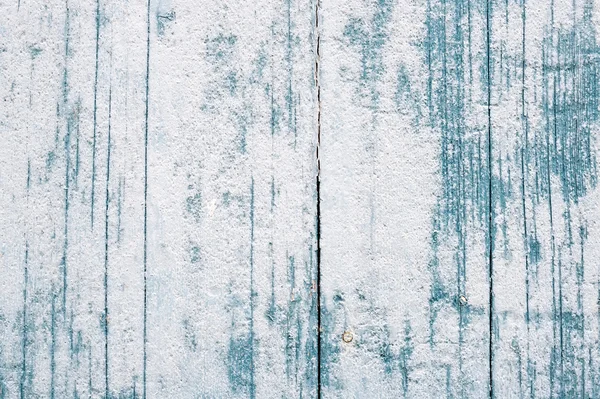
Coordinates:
(299, 199)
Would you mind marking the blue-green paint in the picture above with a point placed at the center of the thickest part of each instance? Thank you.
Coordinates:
(408, 99)
(193, 204)
(370, 38)
(463, 202)
(26, 372)
(240, 360)
(253, 294)
(239, 364)
(330, 344)
(163, 20)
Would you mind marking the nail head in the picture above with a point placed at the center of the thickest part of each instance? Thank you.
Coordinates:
(347, 337)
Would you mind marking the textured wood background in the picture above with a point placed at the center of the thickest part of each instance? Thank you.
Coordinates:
(299, 198)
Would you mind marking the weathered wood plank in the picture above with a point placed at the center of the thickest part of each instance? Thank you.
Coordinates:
(405, 199)
(73, 78)
(231, 200)
(544, 129)
(158, 199)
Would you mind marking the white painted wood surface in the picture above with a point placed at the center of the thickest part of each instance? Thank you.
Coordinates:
(158, 199)
(404, 200)
(459, 193)
(547, 209)
(163, 232)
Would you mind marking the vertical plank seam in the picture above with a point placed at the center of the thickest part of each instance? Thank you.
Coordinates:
(145, 262)
(318, 188)
(490, 237)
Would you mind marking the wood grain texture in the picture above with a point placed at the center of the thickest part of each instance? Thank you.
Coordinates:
(405, 199)
(158, 199)
(163, 233)
(232, 308)
(544, 129)
(459, 201)
(73, 79)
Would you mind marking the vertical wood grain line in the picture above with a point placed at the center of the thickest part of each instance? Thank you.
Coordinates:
(107, 390)
(525, 153)
(24, 338)
(95, 111)
(560, 294)
(553, 252)
(490, 237)
(318, 189)
(252, 294)
(63, 263)
(145, 261)
(52, 343)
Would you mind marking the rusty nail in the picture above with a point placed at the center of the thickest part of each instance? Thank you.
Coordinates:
(347, 337)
